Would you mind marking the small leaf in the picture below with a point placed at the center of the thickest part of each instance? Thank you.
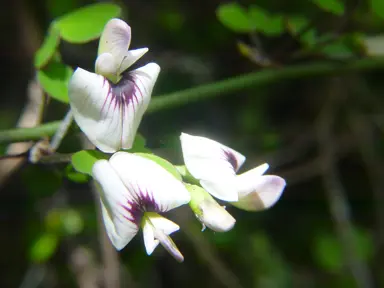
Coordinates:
(234, 17)
(338, 50)
(87, 23)
(83, 160)
(263, 22)
(44, 247)
(333, 6)
(296, 24)
(54, 80)
(377, 7)
(48, 48)
(139, 145)
(75, 176)
(163, 163)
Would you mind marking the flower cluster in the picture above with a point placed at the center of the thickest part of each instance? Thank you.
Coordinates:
(108, 106)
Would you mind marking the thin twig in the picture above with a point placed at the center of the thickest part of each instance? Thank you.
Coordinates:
(336, 194)
(364, 136)
(220, 88)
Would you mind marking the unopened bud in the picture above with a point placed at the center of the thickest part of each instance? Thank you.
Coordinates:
(208, 211)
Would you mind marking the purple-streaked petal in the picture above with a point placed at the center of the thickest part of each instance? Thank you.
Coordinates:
(258, 192)
(109, 114)
(119, 222)
(137, 95)
(214, 164)
(152, 187)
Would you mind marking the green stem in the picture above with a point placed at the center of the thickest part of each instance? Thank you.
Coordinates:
(220, 88)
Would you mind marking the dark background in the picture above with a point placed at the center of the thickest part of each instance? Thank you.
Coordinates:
(323, 134)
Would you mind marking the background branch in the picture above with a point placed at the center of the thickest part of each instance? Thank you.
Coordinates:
(220, 88)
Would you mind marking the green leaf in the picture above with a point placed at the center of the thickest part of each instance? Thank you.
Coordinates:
(377, 7)
(75, 176)
(296, 24)
(333, 6)
(234, 17)
(83, 160)
(44, 247)
(48, 48)
(263, 22)
(87, 23)
(139, 145)
(163, 163)
(54, 80)
(338, 50)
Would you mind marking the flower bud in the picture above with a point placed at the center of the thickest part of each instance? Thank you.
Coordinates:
(208, 211)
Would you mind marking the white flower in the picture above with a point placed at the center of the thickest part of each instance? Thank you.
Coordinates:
(133, 190)
(215, 166)
(108, 105)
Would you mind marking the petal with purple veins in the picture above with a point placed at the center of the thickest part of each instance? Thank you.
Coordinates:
(109, 114)
(151, 186)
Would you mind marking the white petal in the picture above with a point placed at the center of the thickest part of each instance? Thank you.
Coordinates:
(115, 39)
(115, 201)
(258, 192)
(93, 110)
(109, 115)
(144, 79)
(107, 66)
(212, 163)
(153, 187)
(149, 237)
(131, 57)
(156, 222)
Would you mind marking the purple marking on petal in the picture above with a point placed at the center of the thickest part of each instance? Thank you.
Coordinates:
(124, 93)
(231, 159)
(144, 203)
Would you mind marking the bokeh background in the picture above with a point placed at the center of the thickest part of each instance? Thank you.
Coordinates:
(322, 132)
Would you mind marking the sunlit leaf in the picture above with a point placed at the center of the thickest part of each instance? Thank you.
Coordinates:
(234, 17)
(54, 79)
(377, 7)
(48, 48)
(163, 163)
(263, 22)
(83, 160)
(44, 247)
(86, 24)
(333, 6)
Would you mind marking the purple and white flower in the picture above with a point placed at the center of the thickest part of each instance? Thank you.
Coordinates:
(108, 105)
(133, 190)
(216, 165)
